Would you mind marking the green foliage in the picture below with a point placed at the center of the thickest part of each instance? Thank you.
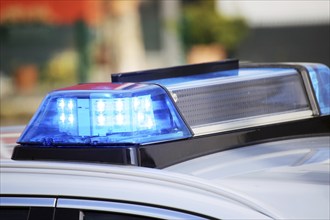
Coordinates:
(202, 24)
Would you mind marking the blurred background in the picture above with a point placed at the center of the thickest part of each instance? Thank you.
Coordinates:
(48, 44)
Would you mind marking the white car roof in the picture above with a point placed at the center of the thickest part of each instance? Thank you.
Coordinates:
(125, 183)
(290, 177)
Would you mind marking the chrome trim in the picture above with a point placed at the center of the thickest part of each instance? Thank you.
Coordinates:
(27, 202)
(124, 208)
(250, 122)
(132, 153)
(309, 89)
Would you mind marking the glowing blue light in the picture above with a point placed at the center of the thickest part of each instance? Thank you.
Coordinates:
(99, 117)
(66, 114)
(119, 105)
(100, 105)
(61, 104)
(70, 105)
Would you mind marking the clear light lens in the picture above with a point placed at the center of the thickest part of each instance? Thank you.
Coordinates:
(251, 94)
(101, 117)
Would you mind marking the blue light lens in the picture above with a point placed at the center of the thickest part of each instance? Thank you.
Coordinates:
(99, 117)
(320, 78)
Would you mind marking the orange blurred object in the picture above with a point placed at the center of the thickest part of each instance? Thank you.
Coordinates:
(50, 11)
(26, 78)
(206, 53)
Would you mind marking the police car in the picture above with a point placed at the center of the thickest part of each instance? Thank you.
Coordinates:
(221, 140)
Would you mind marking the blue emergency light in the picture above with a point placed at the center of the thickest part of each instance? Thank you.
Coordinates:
(103, 114)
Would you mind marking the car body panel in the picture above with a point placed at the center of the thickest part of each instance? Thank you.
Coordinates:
(133, 184)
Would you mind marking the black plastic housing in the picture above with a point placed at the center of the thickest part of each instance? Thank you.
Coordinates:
(177, 71)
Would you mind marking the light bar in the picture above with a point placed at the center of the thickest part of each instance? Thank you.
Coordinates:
(105, 114)
(178, 114)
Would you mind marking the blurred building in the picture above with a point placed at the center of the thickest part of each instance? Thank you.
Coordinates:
(50, 44)
(125, 35)
(118, 36)
(291, 31)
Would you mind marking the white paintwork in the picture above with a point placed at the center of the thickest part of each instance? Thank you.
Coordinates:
(124, 183)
